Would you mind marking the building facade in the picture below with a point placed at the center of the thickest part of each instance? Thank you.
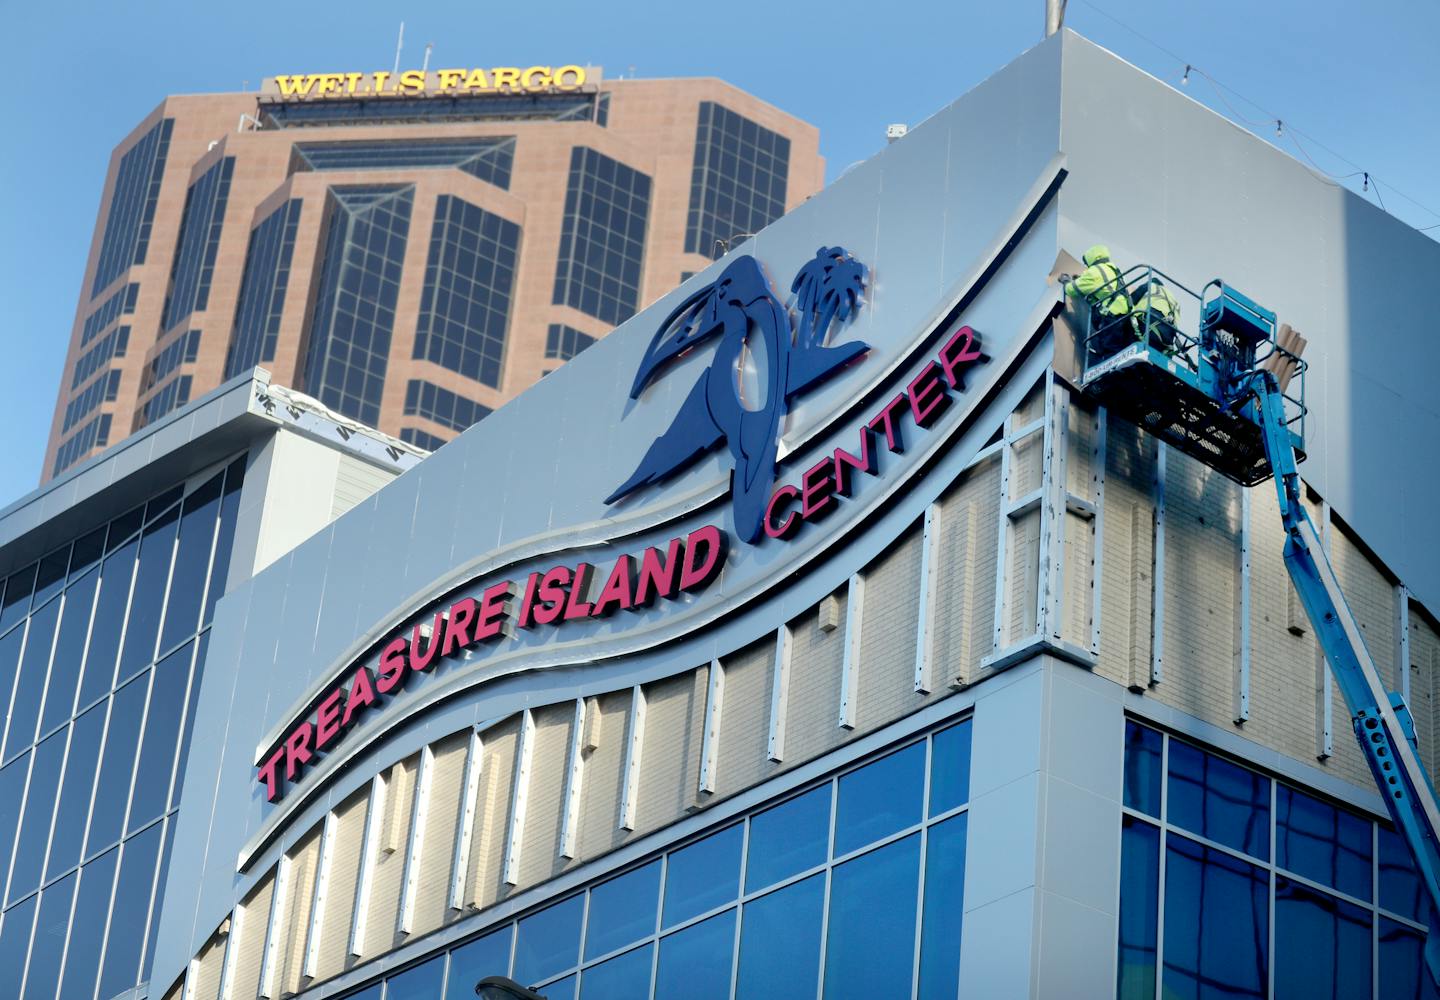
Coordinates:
(412, 256)
(957, 685)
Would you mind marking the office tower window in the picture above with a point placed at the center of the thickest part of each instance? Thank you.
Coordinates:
(1196, 836)
(420, 439)
(263, 284)
(354, 318)
(171, 396)
(490, 158)
(199, 240)
(737, 184)
(564, 342)
(465, 304)
(602, 109)
(182, 350)
(112, 345)
(602, 244)
(95, 434)
(102, 390)
(121, 303)
(108, 634)
(425, 399)
(434, 109)
(132, 205)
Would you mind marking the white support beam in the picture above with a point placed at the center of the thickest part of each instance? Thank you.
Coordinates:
(419, 813)
(1157, 603)
(1097, 549)
(850, 657)
(1049, 593)
(710, 740)
(369, 848)
(997, 636)
(1241, 706)
(321, 891)
(779, 694)
(232, 954)
(574, 782)
(961, 673)
(634, 745)
(1402, 639)
(469, 813)
(519, 797)
(1324, 700)
(929, 596)
(275, 932)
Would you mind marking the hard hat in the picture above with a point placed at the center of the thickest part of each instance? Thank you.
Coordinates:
(1096, 254)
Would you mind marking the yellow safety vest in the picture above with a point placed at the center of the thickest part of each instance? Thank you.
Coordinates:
(1100, 285)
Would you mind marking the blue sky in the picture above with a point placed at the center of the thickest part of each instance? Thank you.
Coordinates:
(1360, 79)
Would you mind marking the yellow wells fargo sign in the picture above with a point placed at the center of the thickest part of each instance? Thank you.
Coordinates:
(414, 82)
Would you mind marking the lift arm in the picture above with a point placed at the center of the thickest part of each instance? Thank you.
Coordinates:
(1380, 718)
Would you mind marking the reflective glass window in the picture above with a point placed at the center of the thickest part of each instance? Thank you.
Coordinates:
(80, 763)
(880, 798)
(704, 875)
(147, 602)
(695, 963)
(944, 906)
(1221, 801)
(220, 565)
(161, 503)
(10, 646)
(419, 982)
(131, 913)
(780, 941)
(34, 671)
(548, 942)
(263, 285)
(1139, 908)
(123, 528)
(1322, 945)
(160, 876)
(950, 768)
(870, 941)
(1402, 964)
(1322, 842)
(87, 929)
(622, 910)
(368, 993)
(187, 728)
(117, 762)
(15, 940)
(133, 198)
(562, 990)
(737, 182)
(51, 576)
(193, 264)
(489, 158)
(18, 588)
(69, 651)
(51, 930)
(12, 793)
(192, 563)
(34, 836)
(162, 733)
(472, 962)
(86, 553)
(1216, 922)
(623, 977)
(115, 575)
(1401, 890)
(788, 839)
(602, 241)
(1142, 768)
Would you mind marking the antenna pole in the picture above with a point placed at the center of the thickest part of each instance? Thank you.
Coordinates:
(399, 44)
(1054, 16)
(425, 66)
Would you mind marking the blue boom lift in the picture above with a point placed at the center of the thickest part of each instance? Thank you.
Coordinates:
(1234, 399)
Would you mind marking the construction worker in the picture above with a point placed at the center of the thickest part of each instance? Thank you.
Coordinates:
(1156, 311)
(1102, 288)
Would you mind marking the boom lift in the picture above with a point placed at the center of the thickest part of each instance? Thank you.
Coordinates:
(1233, 398)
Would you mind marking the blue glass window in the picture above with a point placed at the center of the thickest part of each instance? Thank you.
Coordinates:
(1322, 945)
(34, 670)
(116, 574)
(564, 342)
(1142, 769)
(1401, 890)
(623, 977)
(430, 109)
(51, 932)
(51, 576)
(428, 400)
(168, 398)
(602, 242)
(12, 793)
(117, 305)
(117, 764)
(1139, 908)
(950, 768)
(702, 876)
(469, 281)
(788, 839)
(81, 763)
(944, 909)
(263, 285)
(156, 763)
(622, 910)
(1216, 922)
(94, 434)
(87, 929)
(147, 600)
(1321, 842)
(130, 915)
(880, 798)
(192, 563)
(359, 284)
(780, 941)
(870, 943)
(1221, 801)
(490, 158)
(419, 982)
(181, 350)
(15, 936)
(695, 963)
(69, 651)
(220, 565)
(102, 390)
(472, 962)
(113, 345)
(548, 942)
(86, 553)
(132, 205)
(30, 845)
(18, 589)
(199, 241)
(421, 439)
(737, 182)
(1402, 964)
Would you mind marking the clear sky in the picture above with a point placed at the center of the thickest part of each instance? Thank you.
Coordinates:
(1361, 79)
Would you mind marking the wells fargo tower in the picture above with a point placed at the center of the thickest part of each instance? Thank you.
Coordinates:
(412, 249)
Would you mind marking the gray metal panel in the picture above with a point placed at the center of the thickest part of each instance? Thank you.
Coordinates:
(1162, 179)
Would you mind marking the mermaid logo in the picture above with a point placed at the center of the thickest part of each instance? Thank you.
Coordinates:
(760, 364)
